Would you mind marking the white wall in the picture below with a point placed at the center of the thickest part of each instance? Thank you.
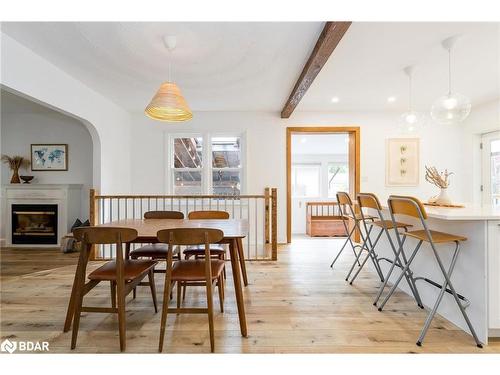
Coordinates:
(27, 74)
(266, 160)
(483, 119)
(20, 130)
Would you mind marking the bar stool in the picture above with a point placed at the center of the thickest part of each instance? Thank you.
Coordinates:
(409, 206)
(370, 201)
(347, 213)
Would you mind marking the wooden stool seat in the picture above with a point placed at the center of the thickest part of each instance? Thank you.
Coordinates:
(437, 237)
(132, 269)
(359, 217)
(390, 225)
(154, 251)
(194, 270)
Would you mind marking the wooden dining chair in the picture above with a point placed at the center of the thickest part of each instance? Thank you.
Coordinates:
(122, 274)
(155, 251)
(207, 271)
(216, 250)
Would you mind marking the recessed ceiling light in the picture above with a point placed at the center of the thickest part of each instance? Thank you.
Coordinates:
(335, 99)
(391, 99)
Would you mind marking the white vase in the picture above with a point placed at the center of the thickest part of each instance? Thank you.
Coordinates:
(443, 198)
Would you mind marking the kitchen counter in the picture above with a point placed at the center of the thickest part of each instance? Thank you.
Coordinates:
(476, 274)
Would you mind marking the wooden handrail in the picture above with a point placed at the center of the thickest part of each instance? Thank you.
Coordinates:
(270, 219)
(124, 196)
(332, 203)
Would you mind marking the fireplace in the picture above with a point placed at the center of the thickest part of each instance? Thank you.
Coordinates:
(34, 224)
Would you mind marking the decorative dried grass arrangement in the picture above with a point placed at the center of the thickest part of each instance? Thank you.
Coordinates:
(14, 163)
(442, 181)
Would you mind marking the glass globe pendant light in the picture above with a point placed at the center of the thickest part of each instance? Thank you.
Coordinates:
(452, 107)
(410, 121)
(168, 104)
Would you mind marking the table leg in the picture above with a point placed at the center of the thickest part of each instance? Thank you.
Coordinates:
(241, 256)
(233, 249)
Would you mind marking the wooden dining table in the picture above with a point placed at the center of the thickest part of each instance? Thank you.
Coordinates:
(234, 231)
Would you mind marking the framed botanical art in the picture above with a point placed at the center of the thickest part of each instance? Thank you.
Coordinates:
(49, 157)
(402, 162)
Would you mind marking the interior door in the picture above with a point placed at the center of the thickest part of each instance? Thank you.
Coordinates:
(306, 179)
(491, 168)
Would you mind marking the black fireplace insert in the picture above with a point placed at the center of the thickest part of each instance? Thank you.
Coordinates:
(34, 224)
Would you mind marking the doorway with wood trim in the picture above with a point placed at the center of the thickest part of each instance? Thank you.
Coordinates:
(312, 181)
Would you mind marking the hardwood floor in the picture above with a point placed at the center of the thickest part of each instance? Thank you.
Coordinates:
(295, 305)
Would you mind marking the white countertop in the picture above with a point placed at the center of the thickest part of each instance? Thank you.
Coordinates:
(469, 212)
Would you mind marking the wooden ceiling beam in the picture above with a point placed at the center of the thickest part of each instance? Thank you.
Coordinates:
(327, 42)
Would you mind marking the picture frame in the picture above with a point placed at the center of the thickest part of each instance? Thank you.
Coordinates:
(402, 162)
(49, 157)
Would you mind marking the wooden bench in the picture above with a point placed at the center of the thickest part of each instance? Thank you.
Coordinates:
(324, 220)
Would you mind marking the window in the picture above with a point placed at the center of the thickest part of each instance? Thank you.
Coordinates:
(495, 172)
(338, 178)
(306, 180)
(206, 165)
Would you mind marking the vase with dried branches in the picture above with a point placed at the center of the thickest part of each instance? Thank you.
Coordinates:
(15, 163)
(442, 181)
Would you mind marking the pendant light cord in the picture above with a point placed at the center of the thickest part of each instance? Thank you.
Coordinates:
(449, 71)
(409, 93)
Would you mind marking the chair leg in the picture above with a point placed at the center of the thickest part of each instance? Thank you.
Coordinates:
(164, 312)
(152, 286)
(121, 316)
(183, 291)
(403, 272)
(77, 312)
(220, 286)
(112, 285)
(134, 293)
(210, 306)
(179, 290)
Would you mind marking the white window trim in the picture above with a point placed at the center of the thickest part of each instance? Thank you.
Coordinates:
(206, 169)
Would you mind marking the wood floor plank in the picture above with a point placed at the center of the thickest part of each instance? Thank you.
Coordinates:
(295, 305)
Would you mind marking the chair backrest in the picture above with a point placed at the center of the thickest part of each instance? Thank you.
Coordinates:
(90, 236)
(343, 200)
(104, 235)
(163, 215)
(369, 200)
(208, 215)
(405, 205)
(190, 236)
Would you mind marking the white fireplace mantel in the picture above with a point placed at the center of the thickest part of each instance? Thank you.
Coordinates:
(66, 196)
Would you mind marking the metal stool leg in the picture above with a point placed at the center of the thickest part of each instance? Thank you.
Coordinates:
(348, 240)
(374, 259)
(403, 272)
(397, 262)
(447, 283)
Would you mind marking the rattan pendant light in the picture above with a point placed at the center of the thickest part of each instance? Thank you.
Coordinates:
(168, 104)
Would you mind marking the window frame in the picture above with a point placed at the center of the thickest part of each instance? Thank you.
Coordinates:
(206, 165)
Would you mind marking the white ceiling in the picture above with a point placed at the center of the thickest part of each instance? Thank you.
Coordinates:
(253, 66)
(367, 66)
(218, 66)
(320, 144)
